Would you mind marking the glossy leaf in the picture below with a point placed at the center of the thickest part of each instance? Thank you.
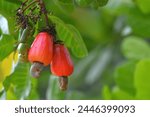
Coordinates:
(20, 79)
(3, 25)
(5, 47)
(78, 45)
(142, 79)
(70, 36)
(135, 48)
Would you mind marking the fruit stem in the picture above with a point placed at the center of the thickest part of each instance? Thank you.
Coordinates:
(44, 11)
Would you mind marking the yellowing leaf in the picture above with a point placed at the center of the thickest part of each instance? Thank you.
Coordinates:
(10, 94)
(6, 64)
(20, 79)
(1, 86)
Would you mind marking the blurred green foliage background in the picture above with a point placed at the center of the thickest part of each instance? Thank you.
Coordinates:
(116, 36)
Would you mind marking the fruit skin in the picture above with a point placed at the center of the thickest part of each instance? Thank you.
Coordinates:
(61, 64)
(41, 49)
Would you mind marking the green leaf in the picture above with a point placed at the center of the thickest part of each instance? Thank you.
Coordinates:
(124, 76)
(144, 5)
(118, 94)
(118, 7)
(3, 25)
(78, 47)
(2, 95)
(8, 10)
(83, 3)
(70, 36)
(33, 93)
(139, 22)
(65, 5)
(54, 91)
(43, 82)
(65, 1)
(1, 92)
(106, 93)
(14, 1)
(135, 48)
(7, 7)
(142, 79)
(101, 2)
(20, 79)
(6, 46)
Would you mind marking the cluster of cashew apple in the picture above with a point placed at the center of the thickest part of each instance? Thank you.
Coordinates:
(44, 51)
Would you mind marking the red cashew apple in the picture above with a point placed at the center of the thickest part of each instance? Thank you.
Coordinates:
(61, 64)
(41, 49)
(40, 53)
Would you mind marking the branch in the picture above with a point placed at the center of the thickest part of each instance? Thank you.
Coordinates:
(30, 5)
(44, 11)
